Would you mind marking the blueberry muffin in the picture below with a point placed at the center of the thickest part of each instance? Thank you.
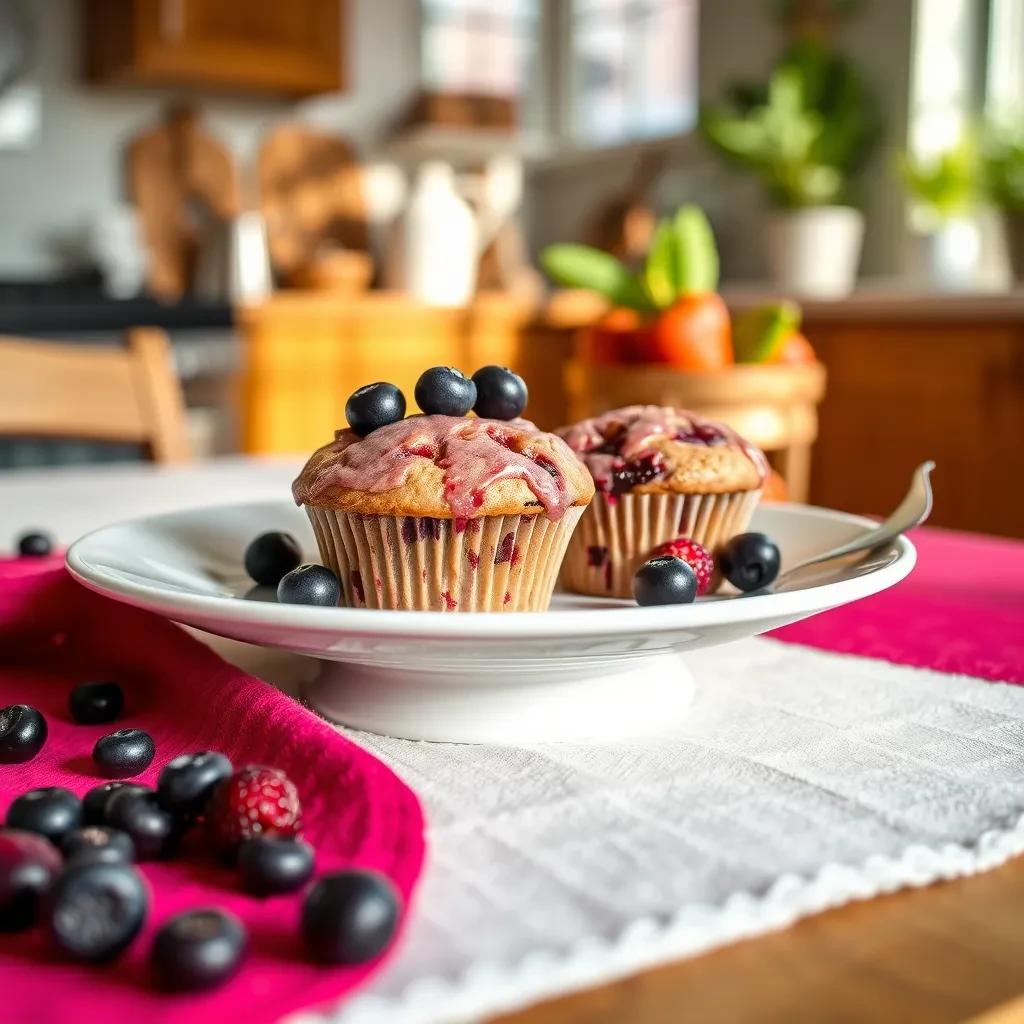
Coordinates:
(445, 513)
(660, 474)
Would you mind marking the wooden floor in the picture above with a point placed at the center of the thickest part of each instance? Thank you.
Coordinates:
(941, 955)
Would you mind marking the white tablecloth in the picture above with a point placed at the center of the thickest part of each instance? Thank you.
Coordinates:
(802, 780)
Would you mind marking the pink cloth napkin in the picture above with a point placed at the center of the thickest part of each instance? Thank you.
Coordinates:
(960, 610)
(54, 633)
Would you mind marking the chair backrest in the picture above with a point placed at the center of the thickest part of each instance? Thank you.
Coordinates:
(95, 392)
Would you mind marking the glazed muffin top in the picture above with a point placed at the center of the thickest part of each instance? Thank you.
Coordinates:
(653, 449)
(446, 467)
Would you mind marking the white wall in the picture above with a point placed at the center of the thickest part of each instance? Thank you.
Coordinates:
(74, 171)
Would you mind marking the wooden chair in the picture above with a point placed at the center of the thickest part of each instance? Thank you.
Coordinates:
(95, 392)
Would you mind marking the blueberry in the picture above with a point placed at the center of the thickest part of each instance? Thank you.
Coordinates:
(310, 584)
(52, 812)
(444, 391)
(28, 866)
(198, 949)
(98, 842)
(373, 406)
(500, 393)
(95, 909)
(95, 703)
(35, 544)
(349, 917)
(22, 733)
(270, 556)
(124, 753)
(97, 800)
(750, 561)
(187, 781)
(154, 831)
(270, 864)
(664, 580)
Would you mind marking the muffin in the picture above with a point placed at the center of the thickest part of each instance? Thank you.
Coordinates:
(445, 513)
(660, 474)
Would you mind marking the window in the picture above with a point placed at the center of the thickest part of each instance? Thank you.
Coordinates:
(478, 47)
(633, 69)
(585, 73)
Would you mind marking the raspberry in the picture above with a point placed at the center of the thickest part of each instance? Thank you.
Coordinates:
(255, 801)
(694, 555)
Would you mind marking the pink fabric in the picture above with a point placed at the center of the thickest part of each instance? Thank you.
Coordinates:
(960, 610)
(357, 813)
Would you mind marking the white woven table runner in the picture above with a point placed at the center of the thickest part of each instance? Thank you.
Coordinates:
(802, 780)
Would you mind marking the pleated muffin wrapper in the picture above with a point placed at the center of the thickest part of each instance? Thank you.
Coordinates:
(616, 535)
(487, 564)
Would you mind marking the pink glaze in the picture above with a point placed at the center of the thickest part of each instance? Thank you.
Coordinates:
(625, 437)
(473, 453)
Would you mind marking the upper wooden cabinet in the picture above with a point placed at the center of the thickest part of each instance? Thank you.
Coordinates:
(288, 47)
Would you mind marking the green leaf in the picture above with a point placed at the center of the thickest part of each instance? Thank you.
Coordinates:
(661, 272)
(697, 258)
(581, 266)
(759, 332)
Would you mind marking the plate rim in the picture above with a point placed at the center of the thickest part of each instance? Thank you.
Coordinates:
(577, 622)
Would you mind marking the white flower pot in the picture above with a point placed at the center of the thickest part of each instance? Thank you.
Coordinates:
(815, 252)
(948, 258)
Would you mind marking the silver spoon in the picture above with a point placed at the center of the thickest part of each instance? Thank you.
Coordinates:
(911, 511)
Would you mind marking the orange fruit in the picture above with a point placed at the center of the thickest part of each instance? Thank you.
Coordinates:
(795, 350)
(694, 334)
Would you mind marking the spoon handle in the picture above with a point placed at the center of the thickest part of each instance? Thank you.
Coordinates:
(911, 511)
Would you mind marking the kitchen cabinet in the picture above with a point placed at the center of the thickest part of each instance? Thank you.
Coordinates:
(289, 49)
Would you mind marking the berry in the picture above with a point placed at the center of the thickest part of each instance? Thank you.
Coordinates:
(500, 393)
(444, 391)
(95, 703)
(270, 556)
(310, 584)
(35, 544)
(664, 580)
(124, 753)
(694, 555)
(198, 949)
(373, 406)
(98, 842)
(750, 561)
(154, 832)
(28, 866)
(97, 800)
(95, 909)
(255, 801)
(268, 864)
(628, 475)
(186, 782)
(52, 812)
(22, 733)
(349, 917)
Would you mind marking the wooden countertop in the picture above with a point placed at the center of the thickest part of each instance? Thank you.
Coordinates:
(876, 302)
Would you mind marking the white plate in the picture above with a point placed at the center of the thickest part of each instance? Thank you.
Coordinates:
(587, 667)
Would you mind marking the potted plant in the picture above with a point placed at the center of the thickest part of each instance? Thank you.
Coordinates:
(944, 191)
(1003, 177)
(805, 134)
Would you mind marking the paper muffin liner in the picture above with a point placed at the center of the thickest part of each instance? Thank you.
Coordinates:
(615, 537)
(487, 564)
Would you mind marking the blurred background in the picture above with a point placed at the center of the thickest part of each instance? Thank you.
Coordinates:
(260, 206)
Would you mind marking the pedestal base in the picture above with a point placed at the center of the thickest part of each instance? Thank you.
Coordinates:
(489, 705)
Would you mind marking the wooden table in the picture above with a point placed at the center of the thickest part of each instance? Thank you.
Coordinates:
(943, 954)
